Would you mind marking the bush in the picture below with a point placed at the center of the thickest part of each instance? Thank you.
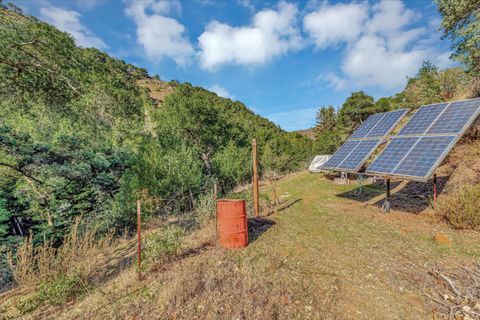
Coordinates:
(204, 209)
(462, 208)
(162, 242)
(64, 288)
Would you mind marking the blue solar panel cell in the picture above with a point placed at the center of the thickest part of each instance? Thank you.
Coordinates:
(393, 154)
(424, 155)
(455, 117)
(386, 124)
(358, 155)
(423, 119)
(341, 153)
(425, 140)
(366, 126)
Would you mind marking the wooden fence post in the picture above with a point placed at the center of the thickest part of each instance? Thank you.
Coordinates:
(139, 239)
(215, 198)
(256, 205)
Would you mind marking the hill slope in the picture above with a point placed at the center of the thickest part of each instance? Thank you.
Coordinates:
(85, 134)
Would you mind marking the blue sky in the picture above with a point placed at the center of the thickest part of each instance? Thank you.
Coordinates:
(282, 59)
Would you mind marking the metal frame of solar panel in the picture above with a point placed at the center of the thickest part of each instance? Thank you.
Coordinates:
(359, 147)
(424, 142)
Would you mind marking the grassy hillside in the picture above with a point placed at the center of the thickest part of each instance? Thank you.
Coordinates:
(332, 255)
(84, 135)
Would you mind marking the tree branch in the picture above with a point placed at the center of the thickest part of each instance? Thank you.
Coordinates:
(23, 173)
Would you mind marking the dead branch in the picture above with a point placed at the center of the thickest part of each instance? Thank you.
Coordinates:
(450, 283)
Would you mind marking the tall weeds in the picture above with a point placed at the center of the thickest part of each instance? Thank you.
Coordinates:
(462, 208)
(59, 274)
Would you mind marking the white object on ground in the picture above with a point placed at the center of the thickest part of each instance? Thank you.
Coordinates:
(317, 163)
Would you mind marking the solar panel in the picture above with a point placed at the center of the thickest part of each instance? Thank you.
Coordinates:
(356, 150)
(423, 119)
(456, 117)
(387, 123)
(341, 154)
(421, 158)
(366, 126)
(395, 151)
(426, 139)
(359, 155)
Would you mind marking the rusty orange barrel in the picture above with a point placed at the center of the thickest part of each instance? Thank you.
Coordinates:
(232, 223)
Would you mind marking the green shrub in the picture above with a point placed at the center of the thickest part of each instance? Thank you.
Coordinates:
(462, 208)
(161, 243)
(58, 291)
(204, 209)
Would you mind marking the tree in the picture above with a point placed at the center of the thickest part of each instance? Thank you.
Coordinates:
(424, 88)
(4, 219)
(355, 110)
(461, 23)
(326, 130)
(326, 120)
(431, 85)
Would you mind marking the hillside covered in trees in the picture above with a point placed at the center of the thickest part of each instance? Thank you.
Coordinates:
(81, 137)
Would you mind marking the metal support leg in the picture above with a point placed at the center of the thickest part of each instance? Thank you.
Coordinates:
(435, 190)
(386, 205)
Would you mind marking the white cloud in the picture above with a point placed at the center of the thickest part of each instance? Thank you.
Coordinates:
(221, 91)
(69, 21)
(159, 35)
(370, 62)
(246, 4)
(294, 119)
(272, 33)
(382, 48)
(88, 4)
(334, 81)
(389, 17)
(332, 24)
(443, 60)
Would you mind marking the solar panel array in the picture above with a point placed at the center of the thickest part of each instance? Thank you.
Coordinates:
(425, 140)
(356, 150)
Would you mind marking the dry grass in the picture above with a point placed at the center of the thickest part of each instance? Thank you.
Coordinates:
(32, 266)
(326, 257)
(157, 89)
(462, 207)
(58, 275)
(458, 203)
(462, 165)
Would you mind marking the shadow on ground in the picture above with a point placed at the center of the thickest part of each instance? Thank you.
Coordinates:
(257, 226)
(366, 193)
(412, 197)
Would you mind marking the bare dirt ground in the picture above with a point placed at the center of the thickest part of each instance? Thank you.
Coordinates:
(331, 255)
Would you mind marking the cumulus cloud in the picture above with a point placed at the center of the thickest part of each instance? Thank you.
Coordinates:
(69, 21)
(272, 33)
(221, 91)
(371, 62)
(382, 48)
(332, 24)
(159, 35)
